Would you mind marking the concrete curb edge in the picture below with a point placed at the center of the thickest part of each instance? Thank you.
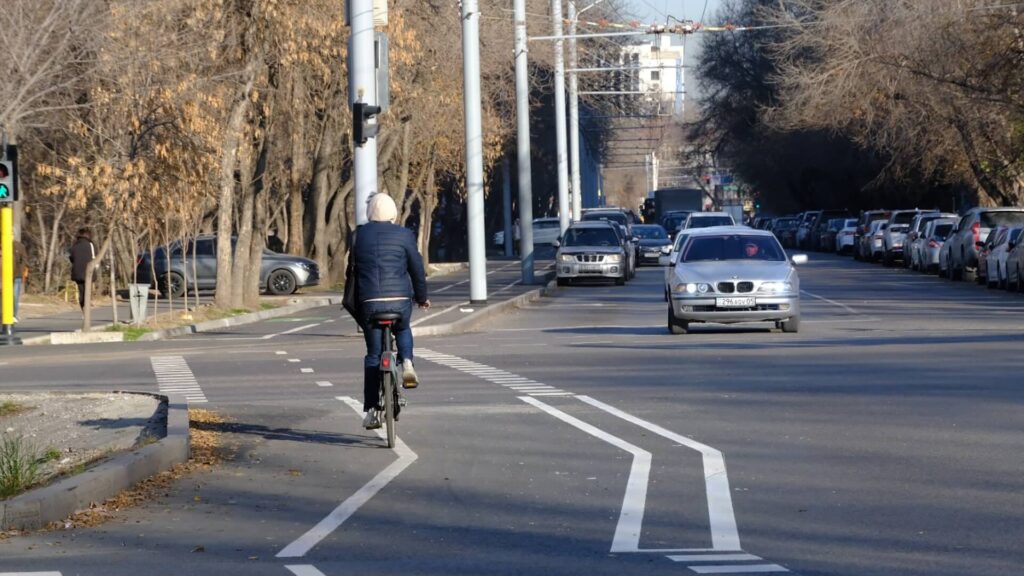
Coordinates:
(470, 322)
(37, 508)
(239, 320)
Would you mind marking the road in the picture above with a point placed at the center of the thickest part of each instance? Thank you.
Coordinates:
(577, 436)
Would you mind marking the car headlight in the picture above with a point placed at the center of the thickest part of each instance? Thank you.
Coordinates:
(566, 258)
(776, 287)
(613, 258)
(692, 288)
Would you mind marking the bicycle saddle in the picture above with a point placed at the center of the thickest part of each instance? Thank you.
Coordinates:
(385, 317)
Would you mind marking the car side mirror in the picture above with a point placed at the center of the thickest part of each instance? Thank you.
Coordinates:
(799, 259)
(557, 244)
(666, 250)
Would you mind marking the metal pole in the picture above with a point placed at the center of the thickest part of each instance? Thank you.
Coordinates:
(474, 152)
(523, 163)
(7, 336)
(563, 166)
(362, 87)
(506, 197)
(574, 119)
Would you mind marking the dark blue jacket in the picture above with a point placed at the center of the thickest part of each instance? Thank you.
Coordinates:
(388, 264)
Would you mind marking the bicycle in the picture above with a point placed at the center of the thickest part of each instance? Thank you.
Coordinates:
(391, 398)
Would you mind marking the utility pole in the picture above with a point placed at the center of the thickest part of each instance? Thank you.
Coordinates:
(563, 167)
(523, 163)
(362, 89)
(506, 203)
(474, 152)
(574, 117)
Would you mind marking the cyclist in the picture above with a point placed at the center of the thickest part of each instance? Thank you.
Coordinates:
(390, 274)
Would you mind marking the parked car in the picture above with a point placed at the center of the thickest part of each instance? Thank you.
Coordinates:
(870, 247)
(972, 230)
(844, 238)
(707, 220)
(652, 238)
(591, 251)
(943, 268)
(545, 231)
(861, 246)
(803, 232)
(912, 242)
(820, 227)
(827, 238)
(197, 265)
(785, 230)
(1015, 266)
(730, 275)
(996, 255)
(925, 249)
(895, 234)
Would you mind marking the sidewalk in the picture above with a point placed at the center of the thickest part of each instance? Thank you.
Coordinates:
(449, 291)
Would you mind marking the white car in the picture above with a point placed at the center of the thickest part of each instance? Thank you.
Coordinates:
(926, 248)
(707, 219)
(545, 231)
(844, 238)
(996, 260)
(669, 259)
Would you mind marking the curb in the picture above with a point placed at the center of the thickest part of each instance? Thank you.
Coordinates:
(37, 508)
(470, 322)
(239, 320)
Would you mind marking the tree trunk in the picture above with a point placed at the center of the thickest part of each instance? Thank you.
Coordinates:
(296, 214)
(89, 271)
(228, 162)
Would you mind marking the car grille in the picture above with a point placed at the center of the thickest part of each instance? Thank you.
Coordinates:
(731, 287)
(590, 258)
(758, 308)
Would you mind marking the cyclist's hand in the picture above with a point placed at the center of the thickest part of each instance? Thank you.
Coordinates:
(425, 305)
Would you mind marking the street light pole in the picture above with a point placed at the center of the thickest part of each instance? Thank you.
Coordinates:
(523, 163)
(362, 87)
(474, 152)
(574, 117)
(563, 167)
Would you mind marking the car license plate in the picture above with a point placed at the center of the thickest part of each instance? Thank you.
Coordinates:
(590, 269)
(734, 302)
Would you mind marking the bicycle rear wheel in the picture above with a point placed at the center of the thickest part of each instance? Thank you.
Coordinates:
(388, 390)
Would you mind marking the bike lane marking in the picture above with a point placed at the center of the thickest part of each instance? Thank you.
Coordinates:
(303, 544)
(300, 570)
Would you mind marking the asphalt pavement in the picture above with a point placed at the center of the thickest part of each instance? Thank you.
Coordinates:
(576, 436)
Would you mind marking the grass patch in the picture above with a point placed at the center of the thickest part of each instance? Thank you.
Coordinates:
(267, 306)
(239, 311)
(131, 333)
(10, 408)
(19, 465)
(51, 455)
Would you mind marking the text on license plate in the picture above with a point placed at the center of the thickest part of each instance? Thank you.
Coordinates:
(734, 302)
(590, 268)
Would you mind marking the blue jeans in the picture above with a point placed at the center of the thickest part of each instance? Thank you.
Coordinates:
(372, 334)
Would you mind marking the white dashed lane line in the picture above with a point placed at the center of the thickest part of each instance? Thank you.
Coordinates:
(504, 378)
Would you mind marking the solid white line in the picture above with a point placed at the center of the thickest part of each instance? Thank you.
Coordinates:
(346, 509)
(721, 516)
(30, 574)
(324, 384)
(714, 558)
(304, 570)
(738, 569)
(631, 518)
(551, 394)
(294, 360)
(306, 370)
(292, 331)
(280, 352)
(832, 302)
(438, 313)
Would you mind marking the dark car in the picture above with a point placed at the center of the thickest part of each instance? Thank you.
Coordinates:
(197, 264)
(820, 226)
(652, 238)
(673, 221)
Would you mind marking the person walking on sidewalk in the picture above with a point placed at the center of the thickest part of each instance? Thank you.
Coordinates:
(390, 275)
(82, 252)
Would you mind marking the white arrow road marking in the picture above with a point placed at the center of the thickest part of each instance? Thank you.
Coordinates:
(346, 509)
(631, 518)
(722, 517)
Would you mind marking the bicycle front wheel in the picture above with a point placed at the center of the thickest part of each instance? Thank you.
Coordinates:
(388, 389)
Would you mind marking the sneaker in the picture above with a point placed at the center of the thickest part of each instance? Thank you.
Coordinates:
(409, 379)
(371, 421)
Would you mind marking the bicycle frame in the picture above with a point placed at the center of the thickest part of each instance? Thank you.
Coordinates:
(390, 400)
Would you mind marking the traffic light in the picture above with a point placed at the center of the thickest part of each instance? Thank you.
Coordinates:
(362, 129)
(8, 181)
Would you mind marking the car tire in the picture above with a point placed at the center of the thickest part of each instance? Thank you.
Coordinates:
(172, 285)
(675, 326)
(281, 283)
(791, 326)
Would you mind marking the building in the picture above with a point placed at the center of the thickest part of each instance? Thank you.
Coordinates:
(658, 76)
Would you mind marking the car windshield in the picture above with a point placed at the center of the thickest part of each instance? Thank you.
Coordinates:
(612, 216)
(650, 232)
(941, 231)
(673, 222)
(709, 221)
(733, 247)
(904, 218)
(590, 237)
(993, 219)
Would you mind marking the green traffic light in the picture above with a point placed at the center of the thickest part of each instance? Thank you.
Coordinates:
(5, 192)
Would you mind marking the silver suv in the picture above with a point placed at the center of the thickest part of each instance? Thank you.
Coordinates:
(972, 229)
(591, 251)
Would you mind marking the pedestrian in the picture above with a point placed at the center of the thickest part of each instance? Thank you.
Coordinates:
(517, 235)
(390, 276)
(82, 252)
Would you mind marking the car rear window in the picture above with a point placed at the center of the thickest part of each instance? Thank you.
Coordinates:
(942, 231)
(709, 221)
(612, 216)
(993, 219)
(903, 217)
(733, 247)
(590, 237)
